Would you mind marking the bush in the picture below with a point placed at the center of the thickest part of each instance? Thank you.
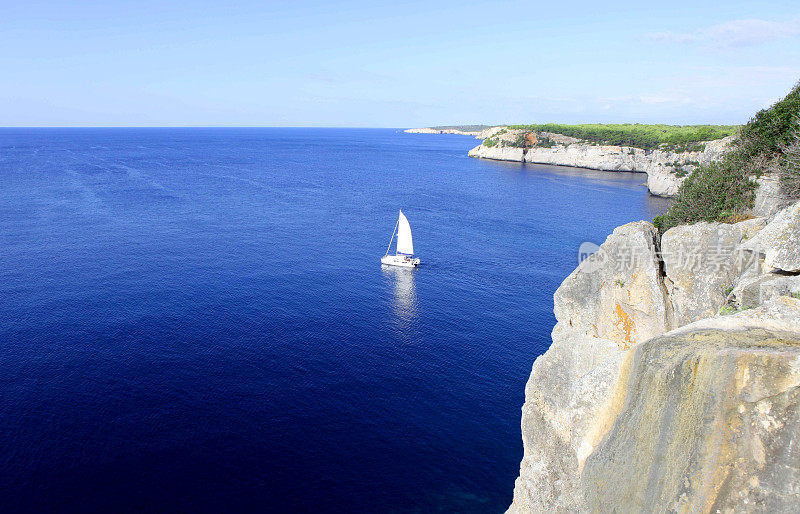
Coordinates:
(721, 191)
(545, 142)
(679, 171)
(648, 137)
(772, 130)
(724, 191)
(787, 167)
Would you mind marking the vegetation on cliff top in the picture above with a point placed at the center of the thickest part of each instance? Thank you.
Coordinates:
(463, 128)
(724, 191)
(648, 137)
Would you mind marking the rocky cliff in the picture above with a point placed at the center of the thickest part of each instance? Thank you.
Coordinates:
(665, 168)
(478, 134)
(673, 380)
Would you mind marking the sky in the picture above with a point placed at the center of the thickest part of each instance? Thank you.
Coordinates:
(393, 63)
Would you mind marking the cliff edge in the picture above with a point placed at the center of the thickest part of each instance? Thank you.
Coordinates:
(673, 379)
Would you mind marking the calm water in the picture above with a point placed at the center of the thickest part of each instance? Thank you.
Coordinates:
(196, 319)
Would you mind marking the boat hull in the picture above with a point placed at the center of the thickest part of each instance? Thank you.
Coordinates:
(400, 261)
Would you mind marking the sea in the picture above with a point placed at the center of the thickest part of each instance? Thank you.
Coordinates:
(196, 319)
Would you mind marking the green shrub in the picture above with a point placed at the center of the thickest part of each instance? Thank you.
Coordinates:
(724, 191)
(545, 142)
(772, 130)
(787, 167)
(679, 171)
(721, 191)
(648, 137)
(490, 142)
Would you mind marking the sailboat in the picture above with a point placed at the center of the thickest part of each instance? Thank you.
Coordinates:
(404, 252)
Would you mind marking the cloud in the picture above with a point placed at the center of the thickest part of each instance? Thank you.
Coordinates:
(733, 34)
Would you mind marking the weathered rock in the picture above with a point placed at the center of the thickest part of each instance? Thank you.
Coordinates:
(504, 153)
(755, 291)
(623, 415)
(617, 294)
(709, 422)
(565, 399)
(779, 241)
(612, 302)
(663, 182)
(751, 227)
(702, 264)
(769, 198)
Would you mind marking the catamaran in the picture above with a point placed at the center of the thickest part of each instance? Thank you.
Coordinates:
(404, 251)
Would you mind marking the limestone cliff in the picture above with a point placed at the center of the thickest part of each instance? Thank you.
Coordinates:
(665, 168)
(478, 134)
(673, 380)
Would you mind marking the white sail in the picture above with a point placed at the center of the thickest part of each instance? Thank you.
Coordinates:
(404, 243)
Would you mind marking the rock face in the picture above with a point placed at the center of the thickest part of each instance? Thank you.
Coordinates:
(779, 242)
(702, 263)
(650, 400)
(617, 294)
(752, 292)
(613, 301)
(710, 421)
(769, 199)
(660, 165)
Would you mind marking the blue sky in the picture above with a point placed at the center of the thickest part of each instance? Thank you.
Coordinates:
(392, 64)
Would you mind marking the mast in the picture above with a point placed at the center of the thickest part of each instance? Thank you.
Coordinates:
(392, 238)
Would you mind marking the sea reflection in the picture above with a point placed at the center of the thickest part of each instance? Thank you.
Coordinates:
(404, 303)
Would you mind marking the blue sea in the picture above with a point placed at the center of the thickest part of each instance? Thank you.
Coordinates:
(197, 319)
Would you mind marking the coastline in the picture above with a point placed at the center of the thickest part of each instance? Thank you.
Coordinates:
(661, 166)
(666, 169)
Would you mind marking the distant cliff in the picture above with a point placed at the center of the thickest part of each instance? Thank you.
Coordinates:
(477, 131)
(665, 168)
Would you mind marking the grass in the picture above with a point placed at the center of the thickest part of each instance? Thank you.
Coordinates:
(648, 137)
(727, 310)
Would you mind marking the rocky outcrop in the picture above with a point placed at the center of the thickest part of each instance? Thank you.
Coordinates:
(754, 291)
(664, 168)
(779, 242)
(701, 264)
(709, 422)
(769, 198)
(650, 398)
(613, 301)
